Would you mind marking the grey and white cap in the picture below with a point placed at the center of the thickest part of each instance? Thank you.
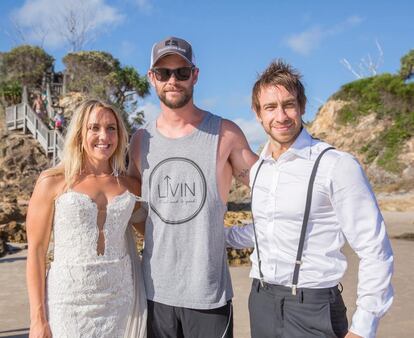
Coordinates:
(172, 45)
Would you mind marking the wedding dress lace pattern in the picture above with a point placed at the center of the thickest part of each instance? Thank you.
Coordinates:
(90, 295)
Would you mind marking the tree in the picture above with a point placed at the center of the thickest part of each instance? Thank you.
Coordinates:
(407, 65)
(10, 93)
(75, 25)
(91, 72)
(25, 65)
(100, 74)
(367, 66)
(20, 36)
(127, 84)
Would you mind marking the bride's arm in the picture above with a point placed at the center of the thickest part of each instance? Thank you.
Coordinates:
(38, 227)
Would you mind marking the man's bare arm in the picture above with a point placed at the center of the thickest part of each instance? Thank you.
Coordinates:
(241, 157)
(134, 156)
(139, 214)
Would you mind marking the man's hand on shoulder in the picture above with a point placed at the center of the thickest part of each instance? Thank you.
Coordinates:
(241, 157)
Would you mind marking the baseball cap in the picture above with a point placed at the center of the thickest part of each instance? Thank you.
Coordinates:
(172, 45)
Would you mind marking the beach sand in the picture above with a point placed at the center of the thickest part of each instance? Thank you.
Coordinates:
(398, 322)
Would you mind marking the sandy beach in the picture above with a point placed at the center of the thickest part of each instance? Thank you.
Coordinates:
(14, 311)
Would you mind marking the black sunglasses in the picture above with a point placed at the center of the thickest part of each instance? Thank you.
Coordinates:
(164, 74)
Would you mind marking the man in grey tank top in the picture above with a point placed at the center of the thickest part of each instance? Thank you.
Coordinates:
(185, 161)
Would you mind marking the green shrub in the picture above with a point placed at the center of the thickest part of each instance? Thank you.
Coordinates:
(407, 65)
(389, 97)
(26, 65)
(10, 93)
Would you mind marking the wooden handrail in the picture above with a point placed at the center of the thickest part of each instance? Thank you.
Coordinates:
(22, 116)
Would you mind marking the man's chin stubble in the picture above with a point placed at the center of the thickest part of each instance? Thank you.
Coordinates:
(175, 105)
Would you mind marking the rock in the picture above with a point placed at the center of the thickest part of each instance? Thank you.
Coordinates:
(239, 193)
(70, 102)
(9, 212)
(21, 161)
(408, 172)
(409, 236)
(14, 232)
(238, 256)
(3, 247)
(354, 136)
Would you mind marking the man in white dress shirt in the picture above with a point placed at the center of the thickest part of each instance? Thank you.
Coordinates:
(342, 208)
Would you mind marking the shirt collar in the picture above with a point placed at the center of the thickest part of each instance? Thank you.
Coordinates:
(301, 147)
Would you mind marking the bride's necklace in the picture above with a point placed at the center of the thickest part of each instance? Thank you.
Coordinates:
(87, 175)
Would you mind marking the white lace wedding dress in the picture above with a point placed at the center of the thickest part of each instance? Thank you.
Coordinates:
(91, 295)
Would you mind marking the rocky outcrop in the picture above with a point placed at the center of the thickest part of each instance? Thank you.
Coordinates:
(21, 161)
(3, 246)
(237, 257)
(239, 196)
(69, 102)
(353, 137)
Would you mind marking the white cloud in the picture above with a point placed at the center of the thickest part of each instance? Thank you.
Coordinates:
(209, 103)
(354, 20)
(318, 100)
(144, 5)
(237, 100)
(47, 19)
(304, 42)
(150, 110)
(127, 48)
(253, 130)
(310, 39)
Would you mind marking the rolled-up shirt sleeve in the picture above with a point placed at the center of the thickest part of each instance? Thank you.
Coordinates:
(239, 237)
(363, 225)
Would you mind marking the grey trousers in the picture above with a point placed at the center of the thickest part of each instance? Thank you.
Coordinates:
(276, 313)
(165, 321)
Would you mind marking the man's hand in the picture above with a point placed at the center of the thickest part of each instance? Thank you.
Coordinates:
(352, 335)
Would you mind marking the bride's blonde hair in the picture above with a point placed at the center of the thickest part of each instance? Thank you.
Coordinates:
(72, 161)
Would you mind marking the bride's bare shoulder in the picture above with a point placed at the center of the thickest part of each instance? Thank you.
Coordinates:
(50, 182)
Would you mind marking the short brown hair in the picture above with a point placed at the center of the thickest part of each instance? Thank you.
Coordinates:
(279, 73)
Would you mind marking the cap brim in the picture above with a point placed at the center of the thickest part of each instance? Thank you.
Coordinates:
(171, 53)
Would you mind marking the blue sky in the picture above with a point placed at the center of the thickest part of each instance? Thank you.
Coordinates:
(233, 41)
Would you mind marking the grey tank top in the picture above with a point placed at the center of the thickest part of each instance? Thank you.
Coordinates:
(184, 259)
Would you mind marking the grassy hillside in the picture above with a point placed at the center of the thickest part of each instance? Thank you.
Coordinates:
(391, 99)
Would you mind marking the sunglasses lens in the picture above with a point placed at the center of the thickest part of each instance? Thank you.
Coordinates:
(164, 74)
(183, 74)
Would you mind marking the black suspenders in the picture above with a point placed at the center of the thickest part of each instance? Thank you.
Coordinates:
(298, 261)
(259, 262)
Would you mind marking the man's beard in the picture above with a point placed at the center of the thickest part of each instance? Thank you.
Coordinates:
(184, 99)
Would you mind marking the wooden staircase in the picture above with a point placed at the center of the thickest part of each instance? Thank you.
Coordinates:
(22, 117)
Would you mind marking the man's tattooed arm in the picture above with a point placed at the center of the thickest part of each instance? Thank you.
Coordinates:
(243, 173)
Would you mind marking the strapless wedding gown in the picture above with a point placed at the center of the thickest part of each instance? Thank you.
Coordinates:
(91, 295)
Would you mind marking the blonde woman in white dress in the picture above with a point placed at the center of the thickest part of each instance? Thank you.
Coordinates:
(94, 287)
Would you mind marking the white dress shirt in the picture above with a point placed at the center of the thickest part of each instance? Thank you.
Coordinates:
(343, 208)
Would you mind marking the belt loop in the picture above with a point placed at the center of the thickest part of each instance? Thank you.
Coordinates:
(258, 285)
(301, 296)
(340, 287)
